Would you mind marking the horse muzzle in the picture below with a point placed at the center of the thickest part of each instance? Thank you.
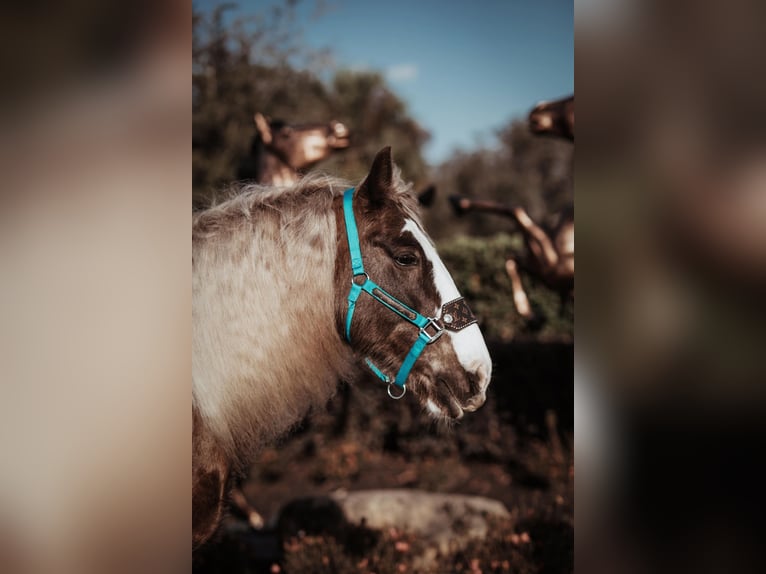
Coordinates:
(339, 137)
(475, 402)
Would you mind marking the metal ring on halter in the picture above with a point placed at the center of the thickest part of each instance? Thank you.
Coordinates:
(393, 396)
(361, 275)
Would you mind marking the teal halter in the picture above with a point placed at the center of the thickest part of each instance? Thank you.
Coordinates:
(361, 282)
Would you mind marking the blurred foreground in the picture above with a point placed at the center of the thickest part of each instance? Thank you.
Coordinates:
(95, 291)
(517, 449)
(671, 214)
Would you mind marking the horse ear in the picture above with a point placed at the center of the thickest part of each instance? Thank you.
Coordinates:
(426, 197)
(262, 125)
(380, 181)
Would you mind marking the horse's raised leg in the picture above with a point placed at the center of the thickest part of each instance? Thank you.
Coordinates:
(539, 243)
(210, 483)
(520, 299)
(239, 500)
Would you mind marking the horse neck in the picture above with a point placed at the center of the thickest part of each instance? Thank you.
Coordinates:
(275, 171)
(265, 343)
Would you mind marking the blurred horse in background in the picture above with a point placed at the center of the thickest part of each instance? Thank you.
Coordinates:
(554, 118)
(550, 252)
(297, 287)
(281, 151)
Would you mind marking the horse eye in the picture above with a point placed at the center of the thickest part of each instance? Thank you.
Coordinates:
(406, 259)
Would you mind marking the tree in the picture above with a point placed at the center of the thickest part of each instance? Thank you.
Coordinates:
(376, 118)
(254, 65)
(525, 170)
(238, 70)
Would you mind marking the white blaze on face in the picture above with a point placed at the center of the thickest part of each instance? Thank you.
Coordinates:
(469, 345)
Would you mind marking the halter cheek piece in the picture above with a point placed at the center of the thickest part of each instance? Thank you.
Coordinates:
(455, 315)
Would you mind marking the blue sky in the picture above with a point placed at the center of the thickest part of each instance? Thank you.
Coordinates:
(465, 68)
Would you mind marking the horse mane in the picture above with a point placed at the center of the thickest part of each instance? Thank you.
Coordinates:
(313, 194)
(265, 344)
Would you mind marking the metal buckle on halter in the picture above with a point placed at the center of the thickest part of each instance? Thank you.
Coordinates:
(393, 396)
(439, 330)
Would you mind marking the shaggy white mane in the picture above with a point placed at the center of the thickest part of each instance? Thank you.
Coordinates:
(265, 348)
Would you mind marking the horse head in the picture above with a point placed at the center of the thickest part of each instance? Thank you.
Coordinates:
(555, 118)
(406, 303)
(301, 146)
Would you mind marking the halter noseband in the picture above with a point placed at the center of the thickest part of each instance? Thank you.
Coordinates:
(455, 315)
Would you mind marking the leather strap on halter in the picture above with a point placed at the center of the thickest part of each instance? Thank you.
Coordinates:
(455, 315)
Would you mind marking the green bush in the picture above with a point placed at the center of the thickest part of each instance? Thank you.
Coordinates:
(478, 266)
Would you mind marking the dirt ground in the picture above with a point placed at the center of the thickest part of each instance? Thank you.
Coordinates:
(516, 449)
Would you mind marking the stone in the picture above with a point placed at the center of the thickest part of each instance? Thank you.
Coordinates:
(442, 522)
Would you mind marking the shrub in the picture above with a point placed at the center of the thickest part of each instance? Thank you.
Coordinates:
(478, 266)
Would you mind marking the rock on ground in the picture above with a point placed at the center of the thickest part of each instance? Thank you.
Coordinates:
(442, 521)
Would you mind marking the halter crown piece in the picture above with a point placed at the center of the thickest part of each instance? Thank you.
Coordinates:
(455, 315)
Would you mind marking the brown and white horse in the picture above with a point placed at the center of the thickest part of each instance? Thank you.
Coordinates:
(554, 118)
(272, 327)
(280, 151)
